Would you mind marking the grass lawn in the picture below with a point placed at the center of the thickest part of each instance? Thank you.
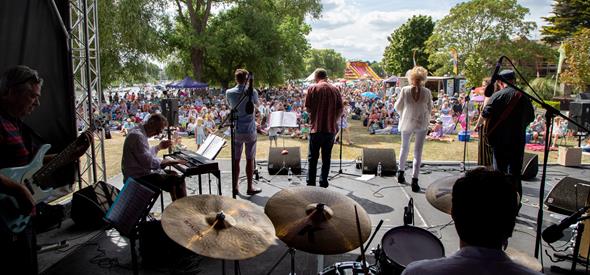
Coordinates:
(433, 150)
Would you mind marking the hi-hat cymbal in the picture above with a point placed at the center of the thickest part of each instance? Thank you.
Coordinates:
(523, 259)
(439, 194)
(317, 220)
(219, 227)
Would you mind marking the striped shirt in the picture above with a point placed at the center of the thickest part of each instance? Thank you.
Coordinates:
(14, 148)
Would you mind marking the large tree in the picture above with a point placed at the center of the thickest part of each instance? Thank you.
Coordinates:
(577, 70)
(329, 59)
(129, 39)
(568, 17)
(406, 42)
(194, 20)
(468, 27)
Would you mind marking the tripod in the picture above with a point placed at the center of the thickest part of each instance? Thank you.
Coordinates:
(340, 172)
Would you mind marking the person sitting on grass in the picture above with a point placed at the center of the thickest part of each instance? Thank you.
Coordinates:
(484, 208)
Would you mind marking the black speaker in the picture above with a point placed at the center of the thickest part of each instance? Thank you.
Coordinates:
(372, 157)
(291, 159)
(90, 204)
(583, 96)
(568, 195)
(530, 166)
(580, 113)
(156, 248)
(169, 108)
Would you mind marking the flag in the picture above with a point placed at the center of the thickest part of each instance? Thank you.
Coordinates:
(455, 61)
(414, 57)
(561, 57)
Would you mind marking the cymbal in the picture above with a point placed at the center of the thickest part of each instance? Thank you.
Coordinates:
(523, 259)
(219, 227)
(439, 193)
(317, 220)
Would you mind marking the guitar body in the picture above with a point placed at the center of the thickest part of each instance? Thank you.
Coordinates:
(10, 215)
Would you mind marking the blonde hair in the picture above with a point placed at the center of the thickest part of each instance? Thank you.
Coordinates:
(199, 121)
(418, 72)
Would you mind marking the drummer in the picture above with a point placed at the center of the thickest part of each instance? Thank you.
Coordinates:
(484, 209)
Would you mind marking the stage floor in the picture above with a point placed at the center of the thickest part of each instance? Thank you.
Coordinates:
(105, 252)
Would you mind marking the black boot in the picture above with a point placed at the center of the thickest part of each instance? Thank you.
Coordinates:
(400, 177)
(415, 186)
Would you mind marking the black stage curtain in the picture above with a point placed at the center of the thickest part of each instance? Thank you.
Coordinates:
(30, 34)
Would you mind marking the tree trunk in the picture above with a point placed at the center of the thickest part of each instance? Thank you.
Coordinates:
(197, 57)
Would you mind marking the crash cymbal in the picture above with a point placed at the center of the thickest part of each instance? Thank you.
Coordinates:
(317, 220)
(523, 259)
(219, 227)
(439, 193)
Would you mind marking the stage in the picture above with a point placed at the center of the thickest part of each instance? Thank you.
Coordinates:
(105, 252)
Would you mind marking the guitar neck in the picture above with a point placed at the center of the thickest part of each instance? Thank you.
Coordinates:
(64, 157)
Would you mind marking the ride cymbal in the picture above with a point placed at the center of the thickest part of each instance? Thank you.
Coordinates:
(219, 227)
(439, 194)
(317, 220)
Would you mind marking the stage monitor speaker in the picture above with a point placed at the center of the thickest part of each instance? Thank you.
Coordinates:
(580, 113)
(372, 157)
(530, 166)
(291, 159)
(583, 96)
(90, 204)
(568, 195)
(169, 108)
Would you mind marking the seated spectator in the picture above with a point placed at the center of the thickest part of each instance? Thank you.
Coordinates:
(484, 208)
(586, 147)
(537, 128)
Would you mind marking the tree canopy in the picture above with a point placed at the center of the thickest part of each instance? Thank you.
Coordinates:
(568, 17)
(471, 28)
(406, 42)
(577, 71)
(328, 59)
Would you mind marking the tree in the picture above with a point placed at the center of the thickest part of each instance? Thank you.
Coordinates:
(568, 17)
(468, 27)
(377, 67)
(129, 38)
(194, 15)
(577, 69)
(328, 59)
(406, 42)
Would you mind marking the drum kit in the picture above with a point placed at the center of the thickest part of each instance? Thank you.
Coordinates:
(309, 219)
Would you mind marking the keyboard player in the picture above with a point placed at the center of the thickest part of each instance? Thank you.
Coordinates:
(140, 161)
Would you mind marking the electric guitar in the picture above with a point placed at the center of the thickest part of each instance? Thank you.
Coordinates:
(33, 175)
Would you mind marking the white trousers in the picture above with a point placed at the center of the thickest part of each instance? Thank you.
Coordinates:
(420, 136)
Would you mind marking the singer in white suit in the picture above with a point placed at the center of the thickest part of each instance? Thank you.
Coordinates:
(414, 105)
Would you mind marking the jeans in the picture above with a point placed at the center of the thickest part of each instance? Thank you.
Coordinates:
(325, 142)
(418, 145)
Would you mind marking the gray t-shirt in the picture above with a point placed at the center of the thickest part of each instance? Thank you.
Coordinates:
(245, 123)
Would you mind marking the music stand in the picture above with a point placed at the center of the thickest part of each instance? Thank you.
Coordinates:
(130, 209)
(282, 119)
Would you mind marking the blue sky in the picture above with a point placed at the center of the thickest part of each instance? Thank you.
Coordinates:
(358, 29)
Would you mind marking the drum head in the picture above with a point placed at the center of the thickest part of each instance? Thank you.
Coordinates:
(405, 244)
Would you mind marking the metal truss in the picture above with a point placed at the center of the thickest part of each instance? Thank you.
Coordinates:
(84, 45)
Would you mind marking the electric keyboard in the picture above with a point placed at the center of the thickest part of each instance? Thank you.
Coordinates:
(196, 164)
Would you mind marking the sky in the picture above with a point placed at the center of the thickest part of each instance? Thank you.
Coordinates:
(358, 29)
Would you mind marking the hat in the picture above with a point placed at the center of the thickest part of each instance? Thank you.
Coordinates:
(507, 74)
(439, 121)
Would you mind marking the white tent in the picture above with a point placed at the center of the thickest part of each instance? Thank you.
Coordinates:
(311, 77)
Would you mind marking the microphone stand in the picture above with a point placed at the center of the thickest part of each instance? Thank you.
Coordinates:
(550, 113)
(340, 172)
(466, 131)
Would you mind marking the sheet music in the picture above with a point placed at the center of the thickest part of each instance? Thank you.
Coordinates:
(129, 206)
(283, 119)
(211, 146)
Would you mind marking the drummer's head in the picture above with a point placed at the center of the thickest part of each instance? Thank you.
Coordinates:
(485, 205)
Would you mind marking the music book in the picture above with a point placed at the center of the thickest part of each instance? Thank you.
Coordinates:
(211, 146)
(130, 206)
(283, 119)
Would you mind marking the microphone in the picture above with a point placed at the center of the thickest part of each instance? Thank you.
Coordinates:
(555, 232)
(490, 88)
(250, 91)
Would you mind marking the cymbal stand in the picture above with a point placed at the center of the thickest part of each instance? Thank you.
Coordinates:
(289, 251)
(237, 270)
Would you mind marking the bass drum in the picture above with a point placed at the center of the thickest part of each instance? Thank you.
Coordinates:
(347, 268)
(405, 244)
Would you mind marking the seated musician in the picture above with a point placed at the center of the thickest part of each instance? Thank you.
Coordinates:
(140, 161)
(484, 207)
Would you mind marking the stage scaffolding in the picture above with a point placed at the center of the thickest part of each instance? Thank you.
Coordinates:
(84, 46)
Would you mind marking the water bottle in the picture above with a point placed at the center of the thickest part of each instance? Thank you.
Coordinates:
(290, 174)
(379, 169)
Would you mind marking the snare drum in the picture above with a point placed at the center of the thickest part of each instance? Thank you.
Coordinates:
(346, 268)
(405, 244)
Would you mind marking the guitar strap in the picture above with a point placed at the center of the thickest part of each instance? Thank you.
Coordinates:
(507, 112)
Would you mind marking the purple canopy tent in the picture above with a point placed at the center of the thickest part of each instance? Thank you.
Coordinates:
(187, 83)
(391, 79)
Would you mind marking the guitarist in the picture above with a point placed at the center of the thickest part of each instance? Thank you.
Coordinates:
(507, 115)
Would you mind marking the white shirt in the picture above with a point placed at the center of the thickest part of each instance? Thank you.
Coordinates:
(470, 260)
(138, 158)
(414, 115)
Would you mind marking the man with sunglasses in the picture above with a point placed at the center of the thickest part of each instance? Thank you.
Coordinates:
(20, 90)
